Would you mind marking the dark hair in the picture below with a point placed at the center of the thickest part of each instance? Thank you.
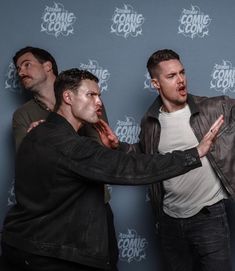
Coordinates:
(70, 79)
(159, 56)
(40, 54)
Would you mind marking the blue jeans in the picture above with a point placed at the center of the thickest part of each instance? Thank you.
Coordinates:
(200, 242)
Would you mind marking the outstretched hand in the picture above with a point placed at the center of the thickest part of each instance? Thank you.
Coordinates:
(210, 137)
(107, 136)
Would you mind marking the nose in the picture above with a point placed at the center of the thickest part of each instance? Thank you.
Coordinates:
(20, 71)
(180, 78)
(99, 102)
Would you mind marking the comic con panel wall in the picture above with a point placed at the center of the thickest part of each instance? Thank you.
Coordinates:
(114, 39)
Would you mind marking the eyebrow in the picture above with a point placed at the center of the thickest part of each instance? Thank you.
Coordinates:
(94, 92)
(172, 73)
(18, 66)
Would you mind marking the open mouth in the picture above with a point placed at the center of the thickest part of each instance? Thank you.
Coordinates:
(182, 90)
(99, 112)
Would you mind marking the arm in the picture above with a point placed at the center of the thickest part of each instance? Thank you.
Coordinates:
(99, 164)
(110, 140)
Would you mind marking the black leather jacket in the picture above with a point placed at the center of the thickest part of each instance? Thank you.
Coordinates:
(60, 176)
(204, 111)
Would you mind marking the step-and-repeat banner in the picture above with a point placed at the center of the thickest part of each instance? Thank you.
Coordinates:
(113, 39)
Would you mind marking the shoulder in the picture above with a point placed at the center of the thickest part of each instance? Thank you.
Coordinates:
(204, 100)
(28, 106)
(30, 111)
(214, 105)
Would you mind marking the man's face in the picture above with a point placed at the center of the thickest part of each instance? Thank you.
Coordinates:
(172, 84)
(85, 103)
(31, 72)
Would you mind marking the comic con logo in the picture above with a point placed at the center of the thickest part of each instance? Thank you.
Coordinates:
(102, 74)
(223, 77)
(148, 83)
(127, 22)
(127, 130)
(194, 23)
(12, 80)
(57, 20)
(132, 247)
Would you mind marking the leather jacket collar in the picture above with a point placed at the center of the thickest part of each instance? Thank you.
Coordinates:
(153, 111)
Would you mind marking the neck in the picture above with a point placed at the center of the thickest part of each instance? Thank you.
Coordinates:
(66, 113)
(45, 94)
(172, 108)
(46, 101)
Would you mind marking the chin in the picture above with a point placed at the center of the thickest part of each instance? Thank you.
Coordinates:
(94, 120)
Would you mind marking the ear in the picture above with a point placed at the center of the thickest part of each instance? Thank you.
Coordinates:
(155, 83)
(68, 96)
(47, 66)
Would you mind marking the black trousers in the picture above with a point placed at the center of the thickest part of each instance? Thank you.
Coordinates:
(18, 260)
(200, 242)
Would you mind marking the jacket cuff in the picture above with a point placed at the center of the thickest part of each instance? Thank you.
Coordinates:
(192, 157)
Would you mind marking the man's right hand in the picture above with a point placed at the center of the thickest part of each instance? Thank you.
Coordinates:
(210, 137)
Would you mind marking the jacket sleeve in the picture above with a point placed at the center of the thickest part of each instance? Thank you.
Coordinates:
(97, 163)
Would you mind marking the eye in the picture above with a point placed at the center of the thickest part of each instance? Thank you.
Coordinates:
(27, 64)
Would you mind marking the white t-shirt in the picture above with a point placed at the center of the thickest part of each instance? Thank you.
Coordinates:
(186, 194)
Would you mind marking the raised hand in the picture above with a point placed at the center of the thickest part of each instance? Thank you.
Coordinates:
(107, 136)
(210, 137)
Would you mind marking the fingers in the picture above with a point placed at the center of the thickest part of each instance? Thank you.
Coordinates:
(98, 127)
(216, 125)
(34, 124)
(214, 129)
(105, 126)
(210, 137)
(113, 139)
(102, 126)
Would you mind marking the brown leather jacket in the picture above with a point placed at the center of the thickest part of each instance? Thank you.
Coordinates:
(204, 111)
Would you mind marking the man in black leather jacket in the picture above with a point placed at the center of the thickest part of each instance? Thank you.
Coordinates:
(60, 220)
